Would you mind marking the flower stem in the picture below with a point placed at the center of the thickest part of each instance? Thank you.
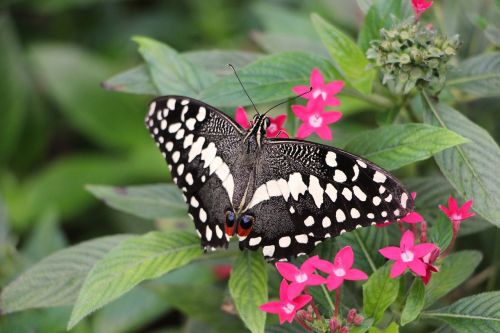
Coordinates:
(337, 302)
(328, 298)
(303, 324)
(456, 227)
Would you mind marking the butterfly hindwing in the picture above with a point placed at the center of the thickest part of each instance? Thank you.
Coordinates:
(198, 142)
(308, 192)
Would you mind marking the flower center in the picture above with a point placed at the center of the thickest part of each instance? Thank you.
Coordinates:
(272, 128)
(407, 256)
(319, 92)
(301, 277)
(456, 217)
(340, 272)
(288, 308)
(315, 120)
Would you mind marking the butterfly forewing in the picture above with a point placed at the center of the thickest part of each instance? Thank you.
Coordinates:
(309, 192)
(199, 144)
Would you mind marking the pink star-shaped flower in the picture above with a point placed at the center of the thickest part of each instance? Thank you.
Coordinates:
(428, 261)
(315, 119)
(275, 128)
(420, 6)
(456, 213)
(300, 278)
(320, 90)
(341, 269)
(286, 308)
(407, 255)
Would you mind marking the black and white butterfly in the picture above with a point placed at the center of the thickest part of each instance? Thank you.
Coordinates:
(282, 195)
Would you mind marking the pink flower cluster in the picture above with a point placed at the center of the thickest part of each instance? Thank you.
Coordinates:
(291, 297)
(313, 115)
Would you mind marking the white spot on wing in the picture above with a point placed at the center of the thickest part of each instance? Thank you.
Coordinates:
(171, 103)
(189, 179)
(180, 134)
(284, 189)
(228, 184)
(259, 196)
(404, 200)
(202, 112)
(359, 193)
(190, 123)
(176, 156)
(268, 250)
(203, 215)
(222, 172)
(347, 194)
(308, 222)
(219, 232)
(376, 201)
(361, 164)
(188, 141)
(169, 146)
(331, 191)
(163, 124)
(273, 188)
(331, 159)
(356, 172)
(216, 163)
(208, 154)
(285, 241)
(152, 108)
(194, 202)
(208, 233)
(316, 191)
(379, 177)
(196, 149)
(174, 127)
(302, 239)
(339, 215)
(339, 176)
(254, 241)
(326, 222)
(296, 185)
(355, 213)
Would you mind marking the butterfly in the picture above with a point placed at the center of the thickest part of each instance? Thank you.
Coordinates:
(284, 196)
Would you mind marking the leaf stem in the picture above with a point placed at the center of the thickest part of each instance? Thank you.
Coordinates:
(328, 298)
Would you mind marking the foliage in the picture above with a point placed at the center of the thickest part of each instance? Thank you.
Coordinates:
(64, 134)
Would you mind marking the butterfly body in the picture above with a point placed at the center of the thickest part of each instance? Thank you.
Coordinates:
(282, 195)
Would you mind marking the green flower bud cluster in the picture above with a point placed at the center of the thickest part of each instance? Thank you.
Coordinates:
(412, 56)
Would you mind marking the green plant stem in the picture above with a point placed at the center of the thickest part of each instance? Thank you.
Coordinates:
(328, 298)
(303, 324)
(374, 99)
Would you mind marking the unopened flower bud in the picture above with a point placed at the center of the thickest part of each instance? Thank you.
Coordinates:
(344, 330)
(358, 320)
(404, 59)
(333, 325)
(351, 315)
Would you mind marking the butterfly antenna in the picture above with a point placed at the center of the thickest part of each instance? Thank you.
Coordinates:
(290, 99)
(234, 70)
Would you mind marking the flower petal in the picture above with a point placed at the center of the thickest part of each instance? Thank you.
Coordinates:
(407, 241)
(271, 307)
(324, 132)
(333, 282)
(284, 291)
(452, 204)
(421, 250)
(287, 270)
(417, 266)
(241, 117)
(445, 210)
(331, 117)
(301, 112)
(295, 289)
(279, 120)
(397, 269)
(466, 207)
(310, 264)
(412, 218)
(333, 88)
(355, 274)
(299, 90)
(315, 280)
(300, 301)
(304, 131)
(317, 79)
(324, 265)
(344, 258)
(391, 252)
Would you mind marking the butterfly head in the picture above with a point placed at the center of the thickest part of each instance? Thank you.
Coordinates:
(241, 225)
(260, 123)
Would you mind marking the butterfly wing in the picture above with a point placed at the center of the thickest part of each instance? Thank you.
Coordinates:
(309, 192)
(198, 142)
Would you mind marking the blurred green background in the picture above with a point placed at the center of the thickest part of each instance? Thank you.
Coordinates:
(61, 130)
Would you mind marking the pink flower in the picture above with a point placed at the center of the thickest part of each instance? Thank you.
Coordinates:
(320, 90)
(300, 278)
(429, 260)
(420, 6)
(316, 119)
(408, 255)
(341, 269)
(286, 308)
(456, 213)
(272, 131)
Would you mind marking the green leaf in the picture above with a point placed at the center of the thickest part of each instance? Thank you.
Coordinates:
(394, 146)
(61, 184)
(364, 327)
(268, 79)
(133, 261)
(55, 280)
(276, 43)
(365, 243)
(134, 81)
(148, 201)
(441, 232)
(171, 73)
(473, 314)
(14, 101)
(349, 59)
(379, 292)
(216, 61)
(414, 302)
(109, 120)
(454, 270)
(378, 16)
(471, 168)
(479, 75)
(248, 288)
(365, 5)
(392, 328)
